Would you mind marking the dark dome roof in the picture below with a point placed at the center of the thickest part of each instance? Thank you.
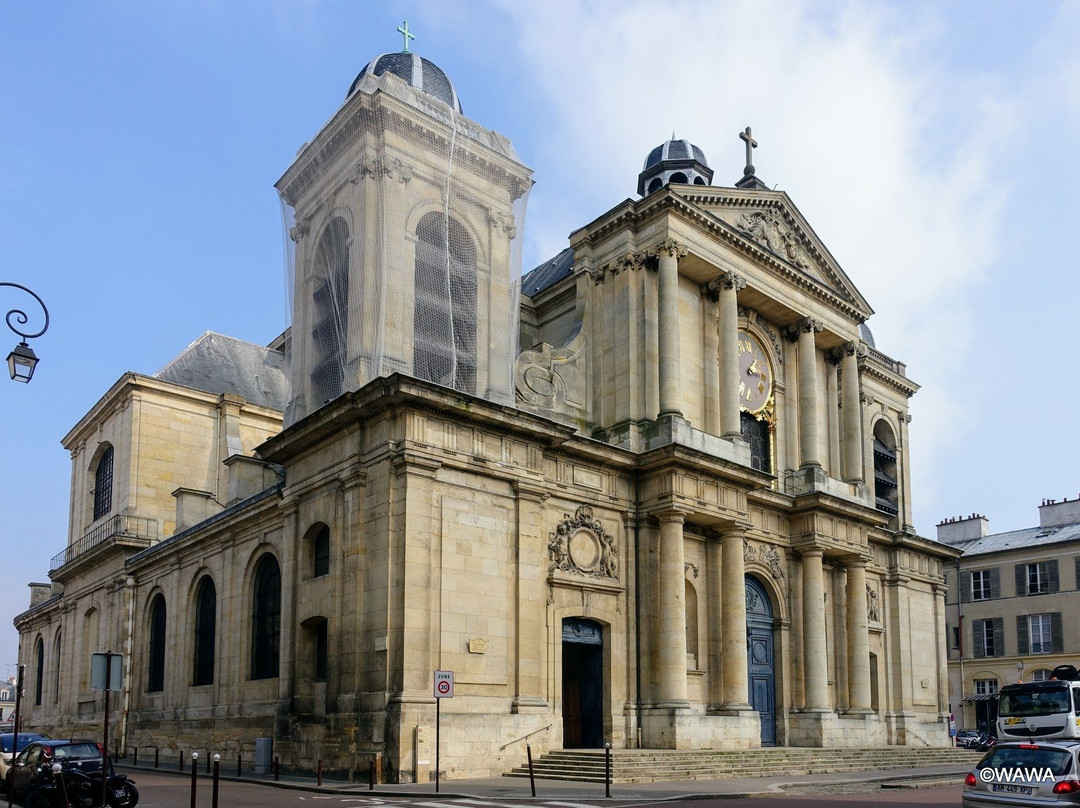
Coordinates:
(867, 337)
(675, 150)
(415, 70)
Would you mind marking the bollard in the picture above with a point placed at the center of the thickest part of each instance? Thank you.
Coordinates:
(181, 760)
(57, 770)
(194, 775)
(208, 756)
(371, 776)
(607, 770)
(157, 755)
(318, 780)
(532, 780)
(239, 761)
(135, 762)
(217, 761)
(277, 767)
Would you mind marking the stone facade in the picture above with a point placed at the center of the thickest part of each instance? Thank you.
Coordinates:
(680, 518)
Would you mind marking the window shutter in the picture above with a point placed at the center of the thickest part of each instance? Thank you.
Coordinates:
(1021, 580)
(965, 584)
(1077, 559)
(1056, 640)
(995, 583)
(1052, 574)
(999, 636)
(978, 638)
(1022, 646)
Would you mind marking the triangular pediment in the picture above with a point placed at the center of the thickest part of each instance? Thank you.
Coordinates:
(769, 221)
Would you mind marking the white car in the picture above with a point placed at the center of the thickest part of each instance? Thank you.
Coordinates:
(1025, 775)
(6, 752)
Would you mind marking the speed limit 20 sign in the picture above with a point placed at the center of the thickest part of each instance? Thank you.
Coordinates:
(444, 684)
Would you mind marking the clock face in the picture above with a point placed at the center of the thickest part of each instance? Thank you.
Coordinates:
(755, 374)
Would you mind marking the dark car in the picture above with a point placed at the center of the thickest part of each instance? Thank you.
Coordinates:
(33, 766)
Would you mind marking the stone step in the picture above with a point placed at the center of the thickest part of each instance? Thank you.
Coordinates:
(650, 765)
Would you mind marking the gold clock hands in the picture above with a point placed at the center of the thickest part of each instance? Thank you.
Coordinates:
(753, 368)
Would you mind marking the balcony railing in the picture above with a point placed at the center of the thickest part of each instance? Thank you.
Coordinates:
(120, 526)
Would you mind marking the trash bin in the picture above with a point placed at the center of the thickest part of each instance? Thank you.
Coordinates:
(264, 755)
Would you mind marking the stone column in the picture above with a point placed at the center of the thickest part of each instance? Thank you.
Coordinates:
(715, 635)
(858, 638)
(711, 352)
(671, 644)
(669, 253)
(730, 422)
(733, 599)
(852, 414)
(809, 403)
(815, 658)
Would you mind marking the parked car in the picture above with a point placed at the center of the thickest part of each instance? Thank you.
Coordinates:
(7, 753)
(1025, 775)
(33, 765)
(965, 736)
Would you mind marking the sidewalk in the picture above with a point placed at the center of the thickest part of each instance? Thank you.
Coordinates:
(517, 788)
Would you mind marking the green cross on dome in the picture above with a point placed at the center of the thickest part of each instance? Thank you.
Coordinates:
(403, 29)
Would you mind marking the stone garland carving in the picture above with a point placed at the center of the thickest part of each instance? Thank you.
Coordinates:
(504, 222)
(768, 228)
(688, 568)
(579, 544)
(770, 557)
(379, 167)
(873, 608)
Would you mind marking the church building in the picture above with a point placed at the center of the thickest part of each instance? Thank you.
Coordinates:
(655, 493)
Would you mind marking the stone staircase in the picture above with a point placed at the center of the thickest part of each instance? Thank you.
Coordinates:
(660, 765)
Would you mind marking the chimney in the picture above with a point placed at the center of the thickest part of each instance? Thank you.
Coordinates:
(1054, 514)
(963, 528)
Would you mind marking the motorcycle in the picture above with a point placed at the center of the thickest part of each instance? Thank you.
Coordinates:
(84, 790)
(984, 744)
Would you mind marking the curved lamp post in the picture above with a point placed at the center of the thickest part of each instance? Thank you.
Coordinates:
(22, 360)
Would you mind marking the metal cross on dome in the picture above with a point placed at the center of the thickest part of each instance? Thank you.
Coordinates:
(403, 29)
(751, 144)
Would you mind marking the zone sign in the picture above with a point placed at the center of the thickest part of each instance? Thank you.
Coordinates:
(444, 684)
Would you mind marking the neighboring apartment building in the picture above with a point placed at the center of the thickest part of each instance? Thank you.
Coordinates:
(1015, 614)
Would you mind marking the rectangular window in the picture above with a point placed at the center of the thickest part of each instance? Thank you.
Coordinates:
(980, 585)
(1039, 634)
(955, 637)
(1039, 578)
(986, 687)
(988, 637)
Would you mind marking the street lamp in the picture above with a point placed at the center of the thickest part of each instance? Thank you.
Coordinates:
(22, 360)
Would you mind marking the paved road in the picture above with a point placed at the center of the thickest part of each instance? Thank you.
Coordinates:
(166, 790)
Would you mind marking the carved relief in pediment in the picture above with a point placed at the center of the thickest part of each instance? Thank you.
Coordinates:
(769, 229)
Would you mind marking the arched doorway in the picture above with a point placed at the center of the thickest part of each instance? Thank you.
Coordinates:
(761, 676)
(583, 684)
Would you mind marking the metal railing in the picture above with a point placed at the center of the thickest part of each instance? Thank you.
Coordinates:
(121, 525)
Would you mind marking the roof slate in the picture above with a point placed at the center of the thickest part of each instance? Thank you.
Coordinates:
(548, 273)
(215, 363)
(1017, 539)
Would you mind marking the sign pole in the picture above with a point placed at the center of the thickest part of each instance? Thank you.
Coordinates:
(105, 741)
(15, 724)
(444, 689)
(438, 703)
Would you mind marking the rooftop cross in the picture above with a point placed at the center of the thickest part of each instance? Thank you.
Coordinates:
(403, 29)
(751, 144)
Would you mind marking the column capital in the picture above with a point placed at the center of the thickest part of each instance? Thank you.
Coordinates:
(834, 356)
(529, 491)
(854, 348)
(725, 280)
(669, 246)
(671, 514)
(810, 552)
(803, 325)
(854, 560)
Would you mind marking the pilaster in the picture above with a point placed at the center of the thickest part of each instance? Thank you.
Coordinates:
(734, 620)
(671, 644)
(815, 660)
(851, 413)
(669, 252)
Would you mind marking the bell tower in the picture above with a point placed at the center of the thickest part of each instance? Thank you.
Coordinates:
(404, 219)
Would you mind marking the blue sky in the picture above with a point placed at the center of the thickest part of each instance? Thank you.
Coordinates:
(931, 145)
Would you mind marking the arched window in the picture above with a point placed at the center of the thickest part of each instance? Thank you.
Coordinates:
(266, 618)
(103, 479)
(444, 316)
(321, 552)
(678, 177)
(39, 684)
(331, 312)
(155, 678)
(656, 184)
(56, 664)
(886, 489)
(1040, 675)
(205, 632)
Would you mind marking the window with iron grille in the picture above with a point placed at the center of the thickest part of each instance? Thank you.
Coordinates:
(155, 681)
(205, 632)
(266, 619)
(756, 433)
(103, 480)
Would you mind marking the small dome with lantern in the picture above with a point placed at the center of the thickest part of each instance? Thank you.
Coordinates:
(678, 161)
(416, 71)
